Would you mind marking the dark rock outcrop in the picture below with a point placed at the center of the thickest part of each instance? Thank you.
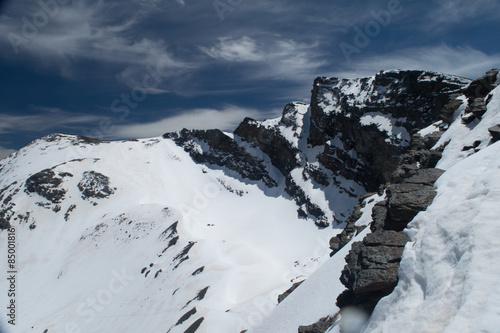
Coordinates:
(282, 155)
(495, 132)
(321, 326)
(372, 267)
(476, 94)
(95, 185)
(306, 207)
(412, 99)
(281, 297)
(223, 152)
(47, 184)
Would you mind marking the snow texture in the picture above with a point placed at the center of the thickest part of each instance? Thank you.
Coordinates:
(172, 236)
(449, 272)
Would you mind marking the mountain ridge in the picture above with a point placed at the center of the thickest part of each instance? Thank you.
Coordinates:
(306, 170)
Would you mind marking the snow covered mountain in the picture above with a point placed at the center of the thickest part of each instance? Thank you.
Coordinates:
(200, 231)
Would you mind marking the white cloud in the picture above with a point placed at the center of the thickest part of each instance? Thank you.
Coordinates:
(227, 118)
(83, 31)
(238, 50)
(275, 58)
(4, 152)
(462, 61)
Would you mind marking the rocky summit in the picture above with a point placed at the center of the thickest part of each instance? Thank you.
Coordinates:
(285, 225)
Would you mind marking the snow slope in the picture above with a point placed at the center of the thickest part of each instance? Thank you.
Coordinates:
(135, 236)
(174, 243)
(449, 272)
(315, 297)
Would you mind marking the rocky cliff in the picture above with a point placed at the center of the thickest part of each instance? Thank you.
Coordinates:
(221, 223)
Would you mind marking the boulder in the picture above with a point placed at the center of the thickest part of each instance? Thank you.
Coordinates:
(321, 326)
(495, 132)
(371, 271)
(405, 202)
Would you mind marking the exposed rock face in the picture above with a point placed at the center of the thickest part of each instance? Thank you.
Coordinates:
(349, 110)
(495, 132)
(476, 93)
(406, 201)
(216, 148)
(281, 297)
(372, 265)
(7, 206)
(95, 185)
(283, 156)
(350, 139)
(372, 269)
(319, 327)
(344, 237)
(47, 183)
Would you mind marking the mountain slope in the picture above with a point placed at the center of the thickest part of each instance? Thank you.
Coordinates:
(202, 230)
(448, 271)
(167, 230)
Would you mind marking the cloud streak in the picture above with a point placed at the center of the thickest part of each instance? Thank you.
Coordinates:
(227, 118)
(462, 11)
(271, 57)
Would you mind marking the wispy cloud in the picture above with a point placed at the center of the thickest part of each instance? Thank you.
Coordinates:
(227, 118)
(83, 31)
(462, 61)
(273, 57)
(238, 50)
(461, 11)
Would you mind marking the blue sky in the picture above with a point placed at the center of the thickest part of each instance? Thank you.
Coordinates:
(139, 68)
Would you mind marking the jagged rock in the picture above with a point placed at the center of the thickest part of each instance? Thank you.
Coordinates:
(372, 265)
(412, 99)
(481, 87)
(448, 112)
(495, 132)
(379, 216)
(412, 196)
(476, 93)
(321, 326)
(95, 185)
(371, 269)
(269, 141)
(281, 297)
(222, 151)
(407, 199)
(47, 183)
